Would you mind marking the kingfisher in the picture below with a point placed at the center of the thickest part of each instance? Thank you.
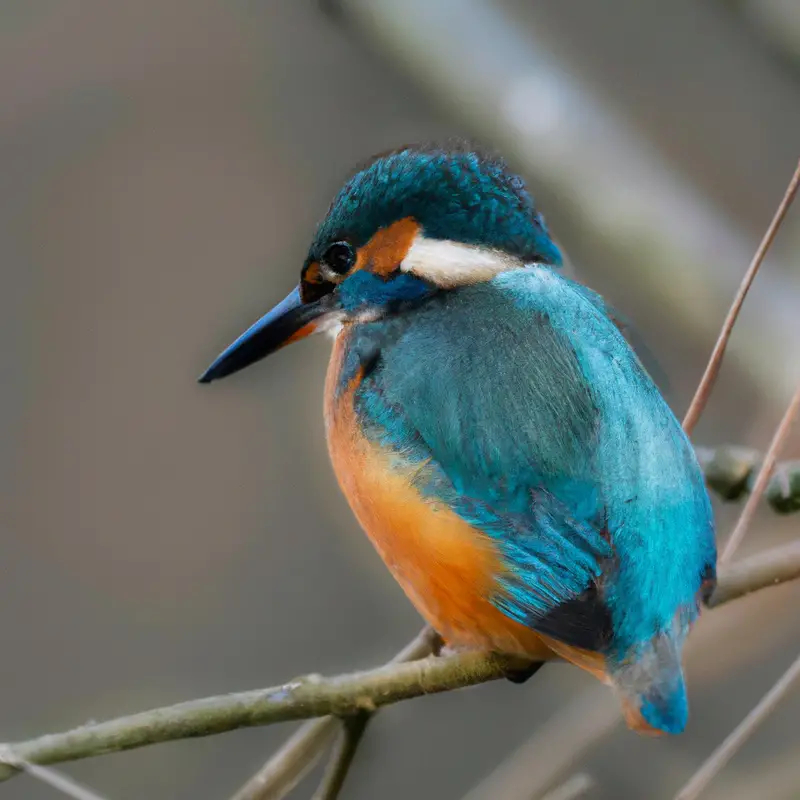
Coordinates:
(493, 431)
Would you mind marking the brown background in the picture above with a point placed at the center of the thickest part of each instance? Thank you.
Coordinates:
(162, 166)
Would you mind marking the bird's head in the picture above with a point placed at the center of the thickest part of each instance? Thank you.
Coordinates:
(410, 223)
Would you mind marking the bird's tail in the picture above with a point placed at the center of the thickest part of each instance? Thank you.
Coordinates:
(652, 689)
(649, 683)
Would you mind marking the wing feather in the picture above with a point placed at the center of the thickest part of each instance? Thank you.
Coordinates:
(537, 424)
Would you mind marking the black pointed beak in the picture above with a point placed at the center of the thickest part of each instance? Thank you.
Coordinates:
(289, 321)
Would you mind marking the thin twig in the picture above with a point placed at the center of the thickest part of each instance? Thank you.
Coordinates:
(314, 696)
(342, 757)
(747, 575)
(700, 399)
(286, 768)
(50, 776)
(289, 765)
(764, 475)
(720, 757)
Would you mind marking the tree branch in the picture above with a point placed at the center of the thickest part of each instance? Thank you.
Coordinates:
(344, 696)
(292, 762)
(301, 698)
(50, 777)
(286, 768)
(768, 568)
(342, 757)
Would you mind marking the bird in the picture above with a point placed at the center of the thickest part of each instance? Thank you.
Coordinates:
(494, 432)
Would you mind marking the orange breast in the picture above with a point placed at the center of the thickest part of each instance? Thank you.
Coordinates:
(445, 566)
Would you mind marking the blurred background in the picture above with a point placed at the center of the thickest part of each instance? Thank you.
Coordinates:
(162, 167)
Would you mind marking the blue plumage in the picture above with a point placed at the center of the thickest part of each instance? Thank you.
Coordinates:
(365, 290)
(492, 387)
(536, 423)
(453, 193)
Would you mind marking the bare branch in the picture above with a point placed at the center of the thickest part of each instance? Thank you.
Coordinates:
(289, 765)
(764, 475)
(700, 399)
(50, 776)
(314, 696)
(768, 568)
(304, 697)
(286, 768)
(342, 757)
(740, 735)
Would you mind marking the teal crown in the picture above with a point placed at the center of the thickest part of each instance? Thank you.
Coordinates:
(454, 192)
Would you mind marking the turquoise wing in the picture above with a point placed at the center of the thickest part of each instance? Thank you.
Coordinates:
(534, 420)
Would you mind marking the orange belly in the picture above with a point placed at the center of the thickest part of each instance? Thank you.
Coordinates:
(447, 568)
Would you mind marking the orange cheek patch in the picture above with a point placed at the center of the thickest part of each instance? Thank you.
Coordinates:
(311, 277)
(312, 273)
(306, 330)
(312, 283)
(384, 252)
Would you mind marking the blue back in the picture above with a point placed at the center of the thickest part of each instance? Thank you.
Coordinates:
(533, 419)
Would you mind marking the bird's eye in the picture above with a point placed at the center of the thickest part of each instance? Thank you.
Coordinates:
(340, 257)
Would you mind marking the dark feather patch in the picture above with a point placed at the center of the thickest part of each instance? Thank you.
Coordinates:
(583, 621)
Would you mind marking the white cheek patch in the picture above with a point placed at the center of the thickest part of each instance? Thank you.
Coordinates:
(331, 324)
(449, 264)
(334, 324)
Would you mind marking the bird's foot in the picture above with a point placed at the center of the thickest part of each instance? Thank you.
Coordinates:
(518, 670)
